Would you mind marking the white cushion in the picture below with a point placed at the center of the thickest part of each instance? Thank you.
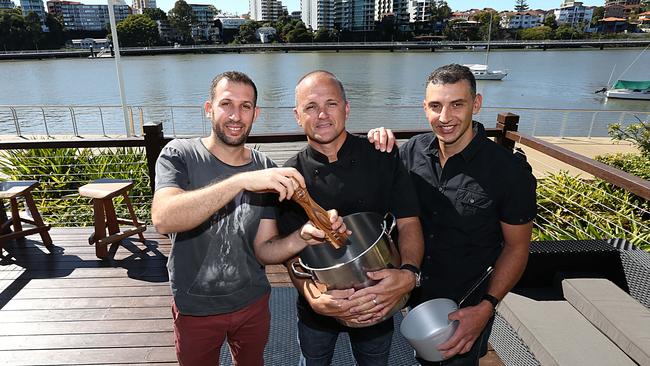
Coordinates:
(557, 334)
(623, 319)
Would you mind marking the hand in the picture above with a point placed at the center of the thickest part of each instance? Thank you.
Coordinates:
(472, 321)
(312, 235)
(336, 304)
(392, 286)
(274, 180)
(383, 138)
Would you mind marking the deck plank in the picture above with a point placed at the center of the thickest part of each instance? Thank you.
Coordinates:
(71, 308)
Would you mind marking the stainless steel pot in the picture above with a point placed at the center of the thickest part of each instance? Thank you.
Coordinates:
(369, 248)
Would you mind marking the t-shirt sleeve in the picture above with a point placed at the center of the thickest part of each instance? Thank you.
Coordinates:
(171, 169)
(520, 201)
(403, 200)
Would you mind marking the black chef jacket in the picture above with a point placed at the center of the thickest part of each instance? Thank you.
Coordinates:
(363, 179)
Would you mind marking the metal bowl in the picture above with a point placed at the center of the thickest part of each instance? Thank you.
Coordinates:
(427, 326)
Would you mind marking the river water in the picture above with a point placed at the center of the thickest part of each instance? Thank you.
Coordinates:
(550, 89)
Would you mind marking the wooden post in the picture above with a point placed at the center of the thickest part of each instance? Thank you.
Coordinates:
(507, 122)
(153, 142)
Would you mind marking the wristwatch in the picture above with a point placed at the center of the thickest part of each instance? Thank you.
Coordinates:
(415, 270)
(492, 300)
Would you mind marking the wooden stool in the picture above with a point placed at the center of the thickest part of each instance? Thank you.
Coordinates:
(102, 191)
(22, 188)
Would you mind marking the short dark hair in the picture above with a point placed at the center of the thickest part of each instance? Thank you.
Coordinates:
(451, 74)
(235, 77)
(332, 76)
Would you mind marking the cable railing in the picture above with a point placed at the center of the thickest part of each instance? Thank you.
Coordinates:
(182, 120)
(569, 206)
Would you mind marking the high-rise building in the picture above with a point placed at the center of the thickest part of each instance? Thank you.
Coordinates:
(266, 10)
(7, 4)
(81, 17)
(418, 10)
(139, 5)
(33, 5)
(205, 15)
(574, 14)
(355, 15)
(318, 13)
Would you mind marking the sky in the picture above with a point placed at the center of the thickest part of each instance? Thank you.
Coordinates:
(241, 6)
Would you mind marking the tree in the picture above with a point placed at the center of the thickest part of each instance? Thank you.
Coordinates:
(485, 18)
(439, 11)
(13, 30)
(542, 32)
(247, 32)
(154, 13)
(300, 34)
(181, 19)
(550, 21)
(598, 14)
(565, 31)
(34, 29)
(137, 30)
(637, 133)
(521, 5)
(324, 35)
(55, 38)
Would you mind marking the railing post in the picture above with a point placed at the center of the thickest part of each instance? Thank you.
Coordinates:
(507, 122)
(153, 143)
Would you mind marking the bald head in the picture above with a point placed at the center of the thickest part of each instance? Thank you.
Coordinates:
(319, 76)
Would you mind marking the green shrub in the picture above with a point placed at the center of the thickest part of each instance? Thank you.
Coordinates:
(635, 164)
(573, 208)
(62, 171)
(637, 133)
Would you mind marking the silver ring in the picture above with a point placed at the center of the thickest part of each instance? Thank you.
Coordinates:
(374, 301)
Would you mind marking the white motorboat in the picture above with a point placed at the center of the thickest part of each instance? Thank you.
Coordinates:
(482, 72)
(627, 89)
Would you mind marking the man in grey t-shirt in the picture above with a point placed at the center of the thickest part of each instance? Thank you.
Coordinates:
(212, 197)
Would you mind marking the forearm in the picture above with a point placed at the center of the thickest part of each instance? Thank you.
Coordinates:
(278, 250)
(411, 240)
(175, 210)
(510, 265)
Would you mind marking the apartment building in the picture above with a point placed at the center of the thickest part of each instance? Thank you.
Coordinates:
(205, 15)
(575, 14)
(318, 13)
(522, 19)
(266, 10)
(81, 17)
(36, 6)
(139, 5)
(7, 4)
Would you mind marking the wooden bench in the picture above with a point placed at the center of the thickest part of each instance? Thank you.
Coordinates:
(102, 192)
(12, 190)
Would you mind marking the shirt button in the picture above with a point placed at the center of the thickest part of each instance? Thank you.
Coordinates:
(426, 277)
(435, 213)
(471, 200)
(441, 189)
(316, 172)
(430, 236)
(360, 202)
(428, 257)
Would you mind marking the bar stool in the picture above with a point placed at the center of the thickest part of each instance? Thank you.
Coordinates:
(102, 191)
(12, 190)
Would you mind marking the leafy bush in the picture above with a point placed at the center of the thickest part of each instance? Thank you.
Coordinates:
(573, 208)
(637, 133)
(62, 171)
(635, 164)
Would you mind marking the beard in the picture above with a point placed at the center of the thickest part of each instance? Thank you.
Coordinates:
(228, 140)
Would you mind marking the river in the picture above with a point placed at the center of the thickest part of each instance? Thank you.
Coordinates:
(384, 88)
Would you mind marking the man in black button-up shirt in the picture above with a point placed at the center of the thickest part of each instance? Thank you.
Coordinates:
(477, 203)
(345, 172)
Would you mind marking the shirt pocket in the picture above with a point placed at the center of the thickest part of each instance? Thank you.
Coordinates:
(470, 202)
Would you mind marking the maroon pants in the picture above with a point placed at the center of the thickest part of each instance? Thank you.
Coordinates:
(198, 339)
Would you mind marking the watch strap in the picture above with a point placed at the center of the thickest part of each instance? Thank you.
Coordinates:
(492, 300)
(415, 270)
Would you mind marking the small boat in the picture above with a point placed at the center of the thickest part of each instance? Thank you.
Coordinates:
(481, 72)
(628, 89)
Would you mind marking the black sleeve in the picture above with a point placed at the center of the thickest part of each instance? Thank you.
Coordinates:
(403, 200)
(520, 202)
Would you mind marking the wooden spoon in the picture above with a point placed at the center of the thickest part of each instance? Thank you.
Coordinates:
(318, 216)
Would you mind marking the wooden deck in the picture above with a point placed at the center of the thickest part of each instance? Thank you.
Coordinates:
(70, 308)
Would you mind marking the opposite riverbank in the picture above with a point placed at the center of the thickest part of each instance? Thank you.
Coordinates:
(337, 47)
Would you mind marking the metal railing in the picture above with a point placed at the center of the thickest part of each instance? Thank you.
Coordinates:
(569, 207)
(183, 120)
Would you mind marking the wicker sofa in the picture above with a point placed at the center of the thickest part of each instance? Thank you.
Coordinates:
(539, 300)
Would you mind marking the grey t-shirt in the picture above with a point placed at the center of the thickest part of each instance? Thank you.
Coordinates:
(213, 268)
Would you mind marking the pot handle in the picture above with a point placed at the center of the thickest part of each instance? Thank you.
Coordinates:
(298, 273)
(392, 224)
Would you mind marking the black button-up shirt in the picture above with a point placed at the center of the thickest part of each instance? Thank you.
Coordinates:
(361, 180)
(462, 206)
